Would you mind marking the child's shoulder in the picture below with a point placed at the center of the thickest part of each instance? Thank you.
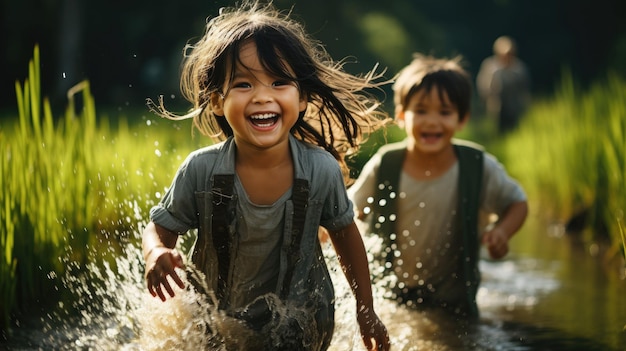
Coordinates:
(207, 154)
(468, 143)
(310, 152)
(210, 149)
(398, 145)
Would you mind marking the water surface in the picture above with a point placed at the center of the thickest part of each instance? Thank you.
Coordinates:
(546, 295)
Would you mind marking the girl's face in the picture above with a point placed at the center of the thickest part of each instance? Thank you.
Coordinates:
(430, 121)
(260, 107)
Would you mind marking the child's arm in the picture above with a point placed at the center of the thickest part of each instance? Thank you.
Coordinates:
(497, 239)
(161, 259)
(353, 259)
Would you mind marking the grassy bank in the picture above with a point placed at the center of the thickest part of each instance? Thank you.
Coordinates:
(82, 183)
(570, 155)
(73, 187)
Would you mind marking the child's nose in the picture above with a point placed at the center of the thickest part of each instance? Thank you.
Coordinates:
(263, 94)
(430, 117)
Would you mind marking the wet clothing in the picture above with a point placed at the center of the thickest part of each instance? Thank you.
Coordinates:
(259, 245)
(431, 227)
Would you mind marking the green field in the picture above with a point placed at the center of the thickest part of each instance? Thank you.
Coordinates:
(83, 182)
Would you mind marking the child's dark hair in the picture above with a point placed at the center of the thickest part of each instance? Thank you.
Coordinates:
(427, 72)
(338, 106)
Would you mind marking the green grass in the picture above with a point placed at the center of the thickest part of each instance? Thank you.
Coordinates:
(75, 187)
(72, 186)
(569, 153)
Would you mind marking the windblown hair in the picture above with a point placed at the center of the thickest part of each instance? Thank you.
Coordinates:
(427, 72)
(339, 106)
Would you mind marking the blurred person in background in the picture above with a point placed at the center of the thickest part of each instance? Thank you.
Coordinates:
(503, 84)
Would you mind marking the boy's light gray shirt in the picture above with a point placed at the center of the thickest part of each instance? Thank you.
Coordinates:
(426, 219)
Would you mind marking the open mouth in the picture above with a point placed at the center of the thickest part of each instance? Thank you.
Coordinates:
(431, 136)
(265, 120)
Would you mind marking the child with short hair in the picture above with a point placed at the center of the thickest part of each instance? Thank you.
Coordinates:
(423, 195)
(284, 114)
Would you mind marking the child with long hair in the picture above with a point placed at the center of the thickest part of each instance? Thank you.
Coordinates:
(284, 115)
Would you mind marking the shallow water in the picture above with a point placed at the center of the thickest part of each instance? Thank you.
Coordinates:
(546, 295)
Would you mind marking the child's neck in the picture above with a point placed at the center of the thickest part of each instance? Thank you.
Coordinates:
(265, 175)
(427, 166)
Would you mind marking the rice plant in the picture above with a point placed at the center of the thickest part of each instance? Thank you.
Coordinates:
(569, 154)
(73, 189)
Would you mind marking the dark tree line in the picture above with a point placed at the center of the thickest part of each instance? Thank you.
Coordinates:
(131, 50)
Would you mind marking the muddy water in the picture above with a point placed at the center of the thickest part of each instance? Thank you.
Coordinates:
(546, 295)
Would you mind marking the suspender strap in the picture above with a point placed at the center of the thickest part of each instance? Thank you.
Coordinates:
(387, 190)
(222, 190)
(300, 198)
(470, 183)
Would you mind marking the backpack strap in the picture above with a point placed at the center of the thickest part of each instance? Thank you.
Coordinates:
(300, 198)
(470, 185)
(222, 189)
(384, 207)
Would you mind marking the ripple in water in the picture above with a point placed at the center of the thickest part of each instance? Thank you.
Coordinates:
(116, 312)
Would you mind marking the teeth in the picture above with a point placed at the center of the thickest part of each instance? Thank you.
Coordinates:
(264, 120)
(264, 116)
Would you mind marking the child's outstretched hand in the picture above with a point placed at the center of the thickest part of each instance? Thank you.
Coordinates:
(373, 328)
(160, 263)
(497, 243)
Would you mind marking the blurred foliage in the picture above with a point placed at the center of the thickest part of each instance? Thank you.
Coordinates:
(131, 50)
(570, 155)
(74, 189)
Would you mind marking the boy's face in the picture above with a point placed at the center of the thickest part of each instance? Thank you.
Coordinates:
(430, 121)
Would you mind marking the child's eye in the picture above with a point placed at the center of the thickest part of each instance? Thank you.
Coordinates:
(279, 83)
(241, 85)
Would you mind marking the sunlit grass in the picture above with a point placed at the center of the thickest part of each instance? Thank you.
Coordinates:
(569, 155)
(72, 186)
(82, 182)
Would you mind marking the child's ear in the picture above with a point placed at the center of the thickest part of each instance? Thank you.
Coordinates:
(217, 104)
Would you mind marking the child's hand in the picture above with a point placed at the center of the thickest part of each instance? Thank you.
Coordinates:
(497, 243)
(372, 328)
(161, 262)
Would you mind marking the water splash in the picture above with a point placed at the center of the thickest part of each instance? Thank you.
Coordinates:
(114, 311)
(111, 309)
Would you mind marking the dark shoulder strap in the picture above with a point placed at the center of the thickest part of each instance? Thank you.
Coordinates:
(470, 184)
(222, 190)
(387, 184)
(382, 221)
(300, 198)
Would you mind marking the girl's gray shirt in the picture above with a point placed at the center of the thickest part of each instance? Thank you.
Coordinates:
(328, 206)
